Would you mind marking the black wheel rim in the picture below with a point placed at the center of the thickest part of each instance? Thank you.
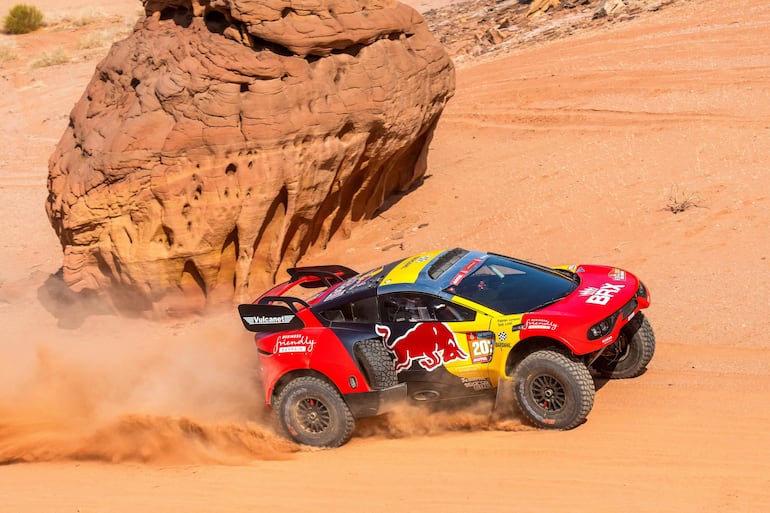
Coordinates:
(548, 393)
(313, 415)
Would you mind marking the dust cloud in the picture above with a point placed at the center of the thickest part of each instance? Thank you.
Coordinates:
(409, 420)
(118, 389)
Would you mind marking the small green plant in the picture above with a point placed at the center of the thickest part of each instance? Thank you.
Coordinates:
(50, 58)
(22, 19)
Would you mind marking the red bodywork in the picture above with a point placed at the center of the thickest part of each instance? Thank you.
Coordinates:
(312, 347)
(603, 290)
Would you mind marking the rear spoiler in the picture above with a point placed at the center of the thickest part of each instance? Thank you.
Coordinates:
(312, 278)
(269, 318)
(320, 275)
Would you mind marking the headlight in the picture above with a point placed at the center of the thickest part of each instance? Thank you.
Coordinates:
(603, 328)
(641, 291)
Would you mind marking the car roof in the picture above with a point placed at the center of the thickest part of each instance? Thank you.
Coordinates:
(429, 272)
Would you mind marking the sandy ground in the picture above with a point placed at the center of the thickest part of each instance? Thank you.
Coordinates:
(568, 152)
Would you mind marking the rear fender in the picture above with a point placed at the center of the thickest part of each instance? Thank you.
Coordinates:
(311, 351)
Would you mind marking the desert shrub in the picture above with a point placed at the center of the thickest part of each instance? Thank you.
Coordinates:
(88, 17)
(93, 40)
(7, 53)
(50, 58)
(22, 19)
(680, 202)
(102, 38)
(65, 19)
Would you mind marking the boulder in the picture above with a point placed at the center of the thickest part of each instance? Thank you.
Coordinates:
(538, 7)
(608, 8)
(224, 138)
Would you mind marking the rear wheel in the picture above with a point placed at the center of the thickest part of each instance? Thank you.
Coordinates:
(553, 390)
(377, 363)
(629, 355)
(312, 412)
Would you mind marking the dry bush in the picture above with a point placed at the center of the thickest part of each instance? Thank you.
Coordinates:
(51, 58)
(680, 202)
(103, 38)
(8, 52)
(94, 40)
(64, 19)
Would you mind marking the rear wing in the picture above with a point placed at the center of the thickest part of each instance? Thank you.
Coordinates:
(270, 318)
(311, 278)
(320, 275)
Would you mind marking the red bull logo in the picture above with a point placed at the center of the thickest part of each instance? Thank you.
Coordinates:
(429, 343)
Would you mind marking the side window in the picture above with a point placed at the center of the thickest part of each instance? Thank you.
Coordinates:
(446, 311)
(413, 307)
(364, 310)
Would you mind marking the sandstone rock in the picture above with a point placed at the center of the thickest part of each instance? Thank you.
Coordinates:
(538, 7)
(608, 8)
(461, 26)
(223, 138)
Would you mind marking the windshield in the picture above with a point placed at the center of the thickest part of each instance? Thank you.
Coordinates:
(511, 286)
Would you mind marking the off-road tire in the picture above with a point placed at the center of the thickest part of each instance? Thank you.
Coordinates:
(553, 390)
(377, 363)
(629, 355)
(312, 412)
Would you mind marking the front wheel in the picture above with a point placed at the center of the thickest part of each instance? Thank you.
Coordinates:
(312, 412)
(553, 390)
(629, 355)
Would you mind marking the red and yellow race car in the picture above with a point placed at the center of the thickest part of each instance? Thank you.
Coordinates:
(444, 326)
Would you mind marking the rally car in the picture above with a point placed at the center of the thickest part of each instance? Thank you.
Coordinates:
(444, 326)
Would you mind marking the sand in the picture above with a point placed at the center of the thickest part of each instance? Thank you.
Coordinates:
(571, 151)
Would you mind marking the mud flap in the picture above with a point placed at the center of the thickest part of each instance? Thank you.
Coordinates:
(505, 404)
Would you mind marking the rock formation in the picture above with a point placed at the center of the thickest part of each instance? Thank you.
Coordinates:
(482, 27)
(542, 6)
(223, 138)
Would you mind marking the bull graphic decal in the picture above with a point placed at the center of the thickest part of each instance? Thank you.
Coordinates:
(429, 343)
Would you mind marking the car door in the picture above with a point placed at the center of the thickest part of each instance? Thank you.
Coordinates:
(441, 349)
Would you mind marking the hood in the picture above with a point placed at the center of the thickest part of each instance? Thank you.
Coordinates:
(602, 290)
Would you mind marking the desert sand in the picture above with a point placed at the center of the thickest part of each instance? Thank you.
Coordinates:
(569, 151)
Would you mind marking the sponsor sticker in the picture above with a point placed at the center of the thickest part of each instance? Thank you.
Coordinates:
(362, 281)
(540, 324)
(617, 274)
(416, 260)
(294, 343)
(482, 345)
(477, 383)
(602, 295)
(428, 343)
(254, 320)
(464, 271)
